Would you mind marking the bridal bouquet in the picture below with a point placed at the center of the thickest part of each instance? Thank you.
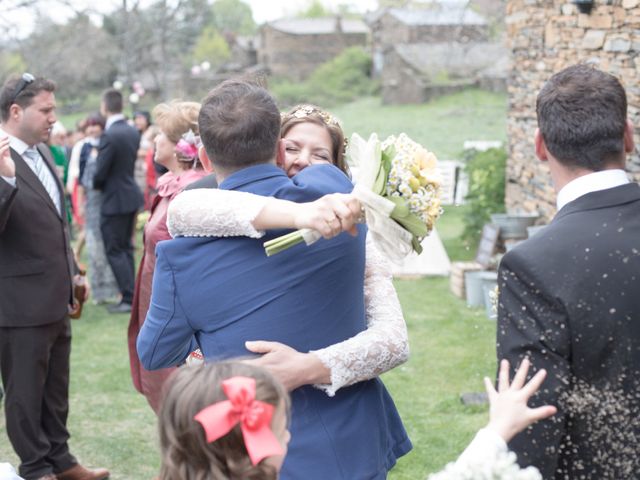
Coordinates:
(398, 186)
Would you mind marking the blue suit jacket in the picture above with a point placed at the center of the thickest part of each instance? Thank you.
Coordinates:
(225, 291)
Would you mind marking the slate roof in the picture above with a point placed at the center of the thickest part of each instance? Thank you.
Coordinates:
(315, 26)
(452, 15)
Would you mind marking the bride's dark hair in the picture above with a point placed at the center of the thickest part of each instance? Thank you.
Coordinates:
(186, 454)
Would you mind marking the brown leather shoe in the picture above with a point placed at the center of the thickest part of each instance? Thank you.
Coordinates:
(80, 473)
(48, 476)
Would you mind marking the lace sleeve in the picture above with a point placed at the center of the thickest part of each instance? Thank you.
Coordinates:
(384, 345)
(211, 212)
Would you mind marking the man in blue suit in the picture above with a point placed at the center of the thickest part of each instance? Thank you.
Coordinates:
(218, 293)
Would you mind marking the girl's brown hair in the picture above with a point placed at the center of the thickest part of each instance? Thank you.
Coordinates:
(312, 114)
(186, 455)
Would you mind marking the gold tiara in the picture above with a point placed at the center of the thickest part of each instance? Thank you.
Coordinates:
(307, 110)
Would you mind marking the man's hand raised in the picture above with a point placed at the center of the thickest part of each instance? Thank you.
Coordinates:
(7, 165)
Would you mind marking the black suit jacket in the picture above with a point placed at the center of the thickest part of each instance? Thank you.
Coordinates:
(117, 155)
(36, 263)
(570, 300)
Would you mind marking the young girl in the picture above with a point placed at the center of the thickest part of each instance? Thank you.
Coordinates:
(223, 421)
(202, 434)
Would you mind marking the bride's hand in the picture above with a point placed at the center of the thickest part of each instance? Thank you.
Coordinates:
(329, 215)
(292, 368)
(508, 412)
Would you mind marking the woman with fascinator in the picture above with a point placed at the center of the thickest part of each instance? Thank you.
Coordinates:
(176, 148)
(311, 136)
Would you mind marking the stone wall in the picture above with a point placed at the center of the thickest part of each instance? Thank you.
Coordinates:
(296, 56)
(546, 36)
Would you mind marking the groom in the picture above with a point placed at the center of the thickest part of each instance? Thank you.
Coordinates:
(570, 296)
(217, 293)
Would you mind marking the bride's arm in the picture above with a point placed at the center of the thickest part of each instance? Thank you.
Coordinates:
(229, 213)
(383, 345)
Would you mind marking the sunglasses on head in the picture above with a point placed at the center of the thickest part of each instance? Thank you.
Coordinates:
(26, 79)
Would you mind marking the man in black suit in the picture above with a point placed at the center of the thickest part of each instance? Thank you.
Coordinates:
(121, 196)
(36, 271)
(570, 295)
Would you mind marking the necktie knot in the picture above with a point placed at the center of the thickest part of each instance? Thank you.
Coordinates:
(32, 153)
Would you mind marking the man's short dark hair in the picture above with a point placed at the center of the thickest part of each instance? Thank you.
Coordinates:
(112, 100)
(582, 114)
(25, 97)
(239, 124)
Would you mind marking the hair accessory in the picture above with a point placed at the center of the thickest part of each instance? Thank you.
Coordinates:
(188, 145)
(253, 416)
(307, 110)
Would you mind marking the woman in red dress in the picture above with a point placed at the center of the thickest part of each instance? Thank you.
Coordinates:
(176, 148)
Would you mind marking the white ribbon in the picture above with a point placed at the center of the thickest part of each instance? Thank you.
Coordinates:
(364, 159)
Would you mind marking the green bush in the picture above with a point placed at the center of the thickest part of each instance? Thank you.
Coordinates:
(340, 80)
(486, 172)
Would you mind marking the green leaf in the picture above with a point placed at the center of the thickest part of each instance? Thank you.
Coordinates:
(412, 223)
(401, 209)
(417, 246)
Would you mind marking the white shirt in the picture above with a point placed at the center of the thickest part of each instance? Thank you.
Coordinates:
(592, 182)
(113, 119)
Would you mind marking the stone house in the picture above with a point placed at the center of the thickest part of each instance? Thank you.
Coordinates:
(294, 48)
(545, 37)
(421, 54)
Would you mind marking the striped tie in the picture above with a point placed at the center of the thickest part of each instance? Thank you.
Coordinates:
(44, 175)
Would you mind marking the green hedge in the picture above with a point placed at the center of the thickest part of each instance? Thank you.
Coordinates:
(486, 172)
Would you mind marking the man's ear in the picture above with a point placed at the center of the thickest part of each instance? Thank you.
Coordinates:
(204, 159)
(629, 144)
(541, 148)
(15, 112)
(280, 153)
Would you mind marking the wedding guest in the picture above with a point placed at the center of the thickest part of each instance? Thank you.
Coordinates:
(72, 185)
(310, 136)
(142, 123)
(176, 149)
(101, 279)
(225, 291)
(201, 438)
(569, 295)
(121, 198)
(36, 284)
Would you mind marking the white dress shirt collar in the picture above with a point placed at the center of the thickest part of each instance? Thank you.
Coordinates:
(14, 142)
(113, 119)
(592, 182)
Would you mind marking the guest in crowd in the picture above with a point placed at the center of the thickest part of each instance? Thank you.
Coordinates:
(310, 136)
(122, 198)
(176, 149)
(569, 295)
(72, 185)
(36, 284)
(101, 279)
(142, 123)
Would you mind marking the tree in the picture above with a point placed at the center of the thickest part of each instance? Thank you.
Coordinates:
(315, 10)
(79, 56)
(233, 16)
(211, 47)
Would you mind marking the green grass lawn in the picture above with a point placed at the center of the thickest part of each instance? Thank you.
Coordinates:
(452, 346)
(441, 125)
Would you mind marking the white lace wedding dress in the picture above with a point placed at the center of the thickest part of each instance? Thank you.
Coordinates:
(381, 347)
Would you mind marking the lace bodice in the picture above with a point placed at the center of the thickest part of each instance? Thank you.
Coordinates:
(383, 346)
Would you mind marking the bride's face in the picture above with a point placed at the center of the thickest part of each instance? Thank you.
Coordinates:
(306, 144)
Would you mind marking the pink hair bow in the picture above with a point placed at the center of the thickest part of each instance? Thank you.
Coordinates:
(187, 149)
(253, 415)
